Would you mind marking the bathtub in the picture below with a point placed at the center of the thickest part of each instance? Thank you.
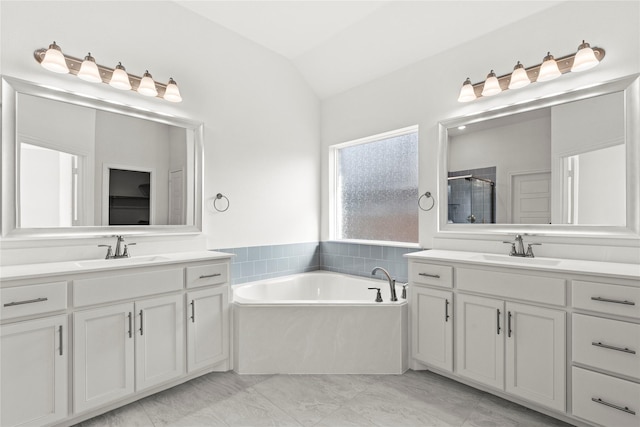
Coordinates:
(318, 323)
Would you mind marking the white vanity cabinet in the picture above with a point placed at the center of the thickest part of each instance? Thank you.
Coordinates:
(432, 336)
(34, 361)
(134, 331)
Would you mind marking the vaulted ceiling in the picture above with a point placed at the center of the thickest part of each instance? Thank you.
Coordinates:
(337, 45)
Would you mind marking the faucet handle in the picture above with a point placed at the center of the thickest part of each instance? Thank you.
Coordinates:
(109, 252)
(513, 248)
(378, 294)
(126, 250)
(530, 249)
(404, 291)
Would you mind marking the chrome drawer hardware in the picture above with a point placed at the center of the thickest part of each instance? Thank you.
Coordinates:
(498, 320)
(193, 311)
(435, 276)
(60, 331)
(446, 310)
(625, 302)
(611, 405)
(210, 275)
(611, 347)
(11, 304)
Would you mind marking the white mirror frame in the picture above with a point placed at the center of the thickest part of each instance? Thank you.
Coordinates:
(10, 88)
(624, 236)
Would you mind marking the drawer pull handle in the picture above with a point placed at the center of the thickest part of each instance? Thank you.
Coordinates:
(615, 301)
(61, 344)
(193, 311)
(30, 301)
(206, 276)
(141, 323)
(435, 276)
(509, 331)
(611, 405)
(446, 310)
(498, 321)
(611, 347)
(130, 325)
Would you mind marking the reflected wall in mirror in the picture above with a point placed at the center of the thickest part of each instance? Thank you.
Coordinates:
(87, 165)
(568, 161)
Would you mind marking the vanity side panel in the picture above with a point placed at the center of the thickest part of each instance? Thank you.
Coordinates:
(541, 289)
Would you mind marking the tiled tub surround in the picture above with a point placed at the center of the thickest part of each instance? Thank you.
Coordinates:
(266, 262)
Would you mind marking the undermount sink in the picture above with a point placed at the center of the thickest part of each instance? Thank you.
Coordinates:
(517, 260)
(121, 261)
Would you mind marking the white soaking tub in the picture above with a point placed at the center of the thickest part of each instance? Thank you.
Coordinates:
(318, 323)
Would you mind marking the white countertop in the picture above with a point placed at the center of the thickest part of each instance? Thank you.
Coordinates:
(49, 269)
(611, 269)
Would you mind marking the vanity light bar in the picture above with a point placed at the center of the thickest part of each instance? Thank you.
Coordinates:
(74, 66)
(586, 57)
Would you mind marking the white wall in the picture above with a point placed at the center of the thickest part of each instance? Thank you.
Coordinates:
(261, 118)
(427, 92)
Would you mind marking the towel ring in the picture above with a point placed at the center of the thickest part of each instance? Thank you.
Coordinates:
(218, 197)
(428, 196)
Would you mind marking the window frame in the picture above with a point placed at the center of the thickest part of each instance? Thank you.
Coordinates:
(333, 186)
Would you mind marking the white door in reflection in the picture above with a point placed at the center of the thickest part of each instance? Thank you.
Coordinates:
(49, 193)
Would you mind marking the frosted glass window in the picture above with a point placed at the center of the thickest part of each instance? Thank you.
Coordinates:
(377, 190)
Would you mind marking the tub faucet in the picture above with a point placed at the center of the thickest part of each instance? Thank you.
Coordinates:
(392, 282)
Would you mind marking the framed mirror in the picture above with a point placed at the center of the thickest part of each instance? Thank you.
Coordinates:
(74, 165)
(564, 165)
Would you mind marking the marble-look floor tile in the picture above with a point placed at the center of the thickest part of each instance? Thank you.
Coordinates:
(251, 409)
(132, 415)
(493, 411)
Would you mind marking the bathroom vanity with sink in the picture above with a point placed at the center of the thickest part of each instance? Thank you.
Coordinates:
(559, 336)
(81, 338)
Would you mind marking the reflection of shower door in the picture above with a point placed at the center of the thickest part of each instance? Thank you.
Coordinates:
(531, 198)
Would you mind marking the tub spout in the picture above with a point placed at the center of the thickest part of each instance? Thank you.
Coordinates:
(392, 282)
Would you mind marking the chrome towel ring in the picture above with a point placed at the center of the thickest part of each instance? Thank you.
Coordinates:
(215, 201)
(428, 196)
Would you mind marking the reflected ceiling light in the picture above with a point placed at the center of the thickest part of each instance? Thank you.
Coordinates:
(519, 77)
(549, 69)
(586, 57)
(120, 78)
(467, 93)
(147, 85)
(54, 60)
(172, 93)
(89, 70)
(491, 85)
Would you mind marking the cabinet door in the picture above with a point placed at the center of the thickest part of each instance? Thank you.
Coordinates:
(479, 339)
(432, 327)
(535, 361)
(207, 327)
(103, 355)
(34, 372)
(159, 340)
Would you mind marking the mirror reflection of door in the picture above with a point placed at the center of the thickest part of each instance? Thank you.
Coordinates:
(50, 179)
(531, 198)
(176, 197)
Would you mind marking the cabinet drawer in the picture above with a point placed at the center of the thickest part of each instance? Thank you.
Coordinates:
(607, 344)
(548, 290)
(606, 298)
(431, 274)
(605, 400)
(33, 299)
(207, 275)
(107, 288)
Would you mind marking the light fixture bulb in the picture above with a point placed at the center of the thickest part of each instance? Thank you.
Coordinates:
(519, 77)
(466, 92)
(120, 78)
(147, 85)
(491, 85)
(54, 60)
(585, 58)
(172, 93)
(89, 70)
(549, 69)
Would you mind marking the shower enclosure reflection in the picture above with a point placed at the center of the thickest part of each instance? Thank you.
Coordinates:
(471, 199)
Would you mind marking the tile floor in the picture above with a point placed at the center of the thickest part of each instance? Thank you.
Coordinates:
(417, 398)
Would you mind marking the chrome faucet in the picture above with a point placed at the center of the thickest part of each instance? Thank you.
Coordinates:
(122, 249)
(392, 282)
(517, 248)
